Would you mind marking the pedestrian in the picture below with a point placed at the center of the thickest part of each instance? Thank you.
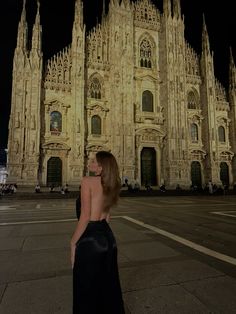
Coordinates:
(37, 188)
(163, 188)
(96, 284)
(148, 186)
(51, 188)
(178, 187)
(210, 187)
(66, 188)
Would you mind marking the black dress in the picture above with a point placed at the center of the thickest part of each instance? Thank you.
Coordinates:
(96, 284)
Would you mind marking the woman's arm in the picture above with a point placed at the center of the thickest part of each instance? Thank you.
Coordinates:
(84, 216)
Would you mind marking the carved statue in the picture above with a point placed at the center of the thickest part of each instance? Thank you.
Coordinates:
(16, 147)
(32, 147)
(17, 120)
(32, 122)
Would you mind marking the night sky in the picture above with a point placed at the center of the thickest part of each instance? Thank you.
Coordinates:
(57, 18)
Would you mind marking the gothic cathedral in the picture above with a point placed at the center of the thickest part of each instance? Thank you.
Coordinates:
(133, 86)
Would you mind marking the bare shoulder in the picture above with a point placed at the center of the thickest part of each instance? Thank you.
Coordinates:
(88, 181)
(85, 181)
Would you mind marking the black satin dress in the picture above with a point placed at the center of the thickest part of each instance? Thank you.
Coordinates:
(96, 284)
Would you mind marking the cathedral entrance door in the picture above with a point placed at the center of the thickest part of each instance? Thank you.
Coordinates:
(224, 173)
(148, 166)
(54, 171)
(196, 176)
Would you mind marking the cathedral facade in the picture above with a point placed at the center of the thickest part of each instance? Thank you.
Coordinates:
(133, 86)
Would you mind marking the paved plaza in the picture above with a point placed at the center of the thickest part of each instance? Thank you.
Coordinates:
(176, 254)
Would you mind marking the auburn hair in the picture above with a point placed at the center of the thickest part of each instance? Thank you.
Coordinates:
(110, 178)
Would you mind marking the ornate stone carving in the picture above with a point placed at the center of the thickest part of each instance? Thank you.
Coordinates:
(192, 64)
(220, 92)
(16, 146)
(197, 154)
(58, 71)
(32, 147)
(32, 122)
(226, 156)
(146, 15)
(56, 146)
(17, 120)
(149, 135)
(97, 47)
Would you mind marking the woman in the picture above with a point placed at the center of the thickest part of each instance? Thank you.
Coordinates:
(96, 284)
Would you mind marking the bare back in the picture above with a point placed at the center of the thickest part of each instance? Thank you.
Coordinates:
(97, 199)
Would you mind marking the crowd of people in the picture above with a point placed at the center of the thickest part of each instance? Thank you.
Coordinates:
(209, 187)
(8, 189)
(132, 186)
(52, 188)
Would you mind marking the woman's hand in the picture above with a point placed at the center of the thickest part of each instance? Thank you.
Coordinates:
(72, 254)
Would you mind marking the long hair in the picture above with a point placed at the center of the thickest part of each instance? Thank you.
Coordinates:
(110, 178)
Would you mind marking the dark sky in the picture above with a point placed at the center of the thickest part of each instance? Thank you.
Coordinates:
(57, 18)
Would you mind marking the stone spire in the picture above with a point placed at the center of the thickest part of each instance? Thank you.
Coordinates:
(167, 7)
(232, 72)
(103, 9)
(78, 18)
(205, 38)
(22, 35)
(176, 8)
(37, 32)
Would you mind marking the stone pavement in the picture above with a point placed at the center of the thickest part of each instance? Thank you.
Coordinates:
(35, 274)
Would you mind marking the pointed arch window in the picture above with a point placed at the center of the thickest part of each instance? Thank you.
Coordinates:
(145, 54)
(221, 133)
(95, 88)
(194, 132)
(96, 125)
(147, 101)
(55, 122)
(192, 101)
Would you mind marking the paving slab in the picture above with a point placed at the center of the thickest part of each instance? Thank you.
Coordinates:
(47, 296)
(2, 289)
(143, 251)
(43, 264)
(45, 229)
(122, 259)
(124, 232)
(8, 266)
(218, 293)
(172, 299)
(34, 265)
(46, 242)
(189, 270)
(143, 277)
(5, 231)
(15, 243)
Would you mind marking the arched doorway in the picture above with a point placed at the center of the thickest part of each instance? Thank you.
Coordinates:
(148, 166)
(54, 171)
(224, 173)
(196, 176)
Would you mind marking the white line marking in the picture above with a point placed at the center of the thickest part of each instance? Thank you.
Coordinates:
(197, 247)
(43, 221)
(5, 207)
(35, 222)
(225, 213)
